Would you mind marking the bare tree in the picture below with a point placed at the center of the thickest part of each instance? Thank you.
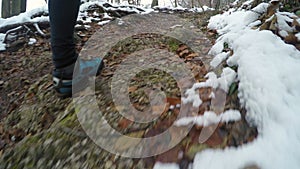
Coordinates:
(154, 3)
(12, 7)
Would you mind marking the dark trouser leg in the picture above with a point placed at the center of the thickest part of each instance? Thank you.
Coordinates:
(63, 15)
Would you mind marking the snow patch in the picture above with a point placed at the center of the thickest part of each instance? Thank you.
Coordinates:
(32, 41)
(2, 44)
(209, 118)
(159, 165)
(103, 22)
(233, 21)
(228, 76)
(219, 59)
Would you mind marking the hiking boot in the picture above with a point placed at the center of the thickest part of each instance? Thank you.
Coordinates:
(63, 78)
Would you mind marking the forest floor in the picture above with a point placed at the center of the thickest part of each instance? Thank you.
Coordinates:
(39, 130)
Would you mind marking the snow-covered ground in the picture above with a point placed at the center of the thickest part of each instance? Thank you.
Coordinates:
(269, 89)
(33, 4)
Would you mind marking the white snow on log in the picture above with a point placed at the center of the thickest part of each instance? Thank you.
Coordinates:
(25, 17)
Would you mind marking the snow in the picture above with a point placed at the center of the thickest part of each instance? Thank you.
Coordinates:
(283, 33)
(180, 8)
(228, 76)
(106, 16)
(103, 22)
(233, 21)
(159, 165)
(2, 45)
(24, 17)
(209, 118)
(282, 22)
(268, 89)
(129, 8)
(32, 41)
(219, 59)
(172, 107)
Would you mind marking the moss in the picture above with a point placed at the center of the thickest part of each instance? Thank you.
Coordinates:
(173, 45)
(195, 148)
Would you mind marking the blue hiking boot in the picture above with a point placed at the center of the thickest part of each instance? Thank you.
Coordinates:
(63, 78)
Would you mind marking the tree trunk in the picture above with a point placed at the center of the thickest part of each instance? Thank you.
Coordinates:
(154, 3)
(5, 8)
(218, 3)
(13, 7)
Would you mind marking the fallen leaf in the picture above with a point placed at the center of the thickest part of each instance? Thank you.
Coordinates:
(132, 89)
(173, 101)
(124, 123)
(291, 39)
(160, 109)
(183, 53)
(214, 140)
(170, 156)
(191, 56)
(182, 48)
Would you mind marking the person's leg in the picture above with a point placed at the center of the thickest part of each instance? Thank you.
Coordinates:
(63, 15)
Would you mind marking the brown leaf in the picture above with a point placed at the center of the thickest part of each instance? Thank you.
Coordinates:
(132, 89)
(107, 73)
(291, 39)
(170, 156)
(160, 109)
(173, 101)
(295, 23)
(205, 94)
(265, 26)
(183, 53)
(47, 120)
(215, 139)
(191, 56)
(182, 48)
(124, 123)
(17, 133)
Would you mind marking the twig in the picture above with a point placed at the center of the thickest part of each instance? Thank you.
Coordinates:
(39, 30)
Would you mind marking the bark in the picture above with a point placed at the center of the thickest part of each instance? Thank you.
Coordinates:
(154, 3)
(13, 7)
